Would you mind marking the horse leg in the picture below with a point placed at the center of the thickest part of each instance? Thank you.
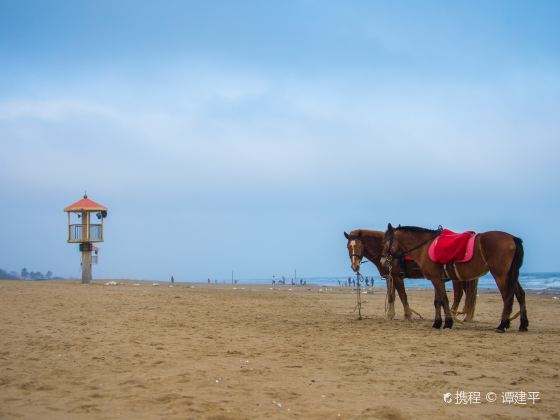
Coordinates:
(391, 298)
(446, 310)
(457, 296)
(504, 260)
(399, 284)
(507, 297)
(520, 295)
(437, 302)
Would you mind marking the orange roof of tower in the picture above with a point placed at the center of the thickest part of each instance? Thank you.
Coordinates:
(85, 204)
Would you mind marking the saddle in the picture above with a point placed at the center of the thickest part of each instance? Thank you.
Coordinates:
(451, 247)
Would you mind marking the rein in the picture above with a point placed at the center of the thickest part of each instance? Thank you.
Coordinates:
(361, 257)
(389, 255)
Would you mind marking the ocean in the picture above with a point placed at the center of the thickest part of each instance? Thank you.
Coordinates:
(529, 281)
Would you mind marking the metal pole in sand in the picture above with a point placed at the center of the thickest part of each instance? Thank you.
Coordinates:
(358, 296)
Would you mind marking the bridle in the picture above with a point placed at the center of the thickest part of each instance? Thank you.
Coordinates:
(389, 255)
(360, 257)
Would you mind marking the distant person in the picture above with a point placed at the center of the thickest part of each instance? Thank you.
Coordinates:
(172, 279)
(209, 281)
(349, 282)
(367, 282)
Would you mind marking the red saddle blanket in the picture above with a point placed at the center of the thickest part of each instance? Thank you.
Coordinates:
(451, 246)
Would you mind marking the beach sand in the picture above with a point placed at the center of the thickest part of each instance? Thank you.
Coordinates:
(72, 351)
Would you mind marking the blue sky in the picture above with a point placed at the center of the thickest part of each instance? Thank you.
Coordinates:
(249, 135)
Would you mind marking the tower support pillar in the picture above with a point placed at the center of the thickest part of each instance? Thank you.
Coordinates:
(85, 248)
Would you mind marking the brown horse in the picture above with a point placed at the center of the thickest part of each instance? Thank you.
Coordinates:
(369, 244)
(496, 252)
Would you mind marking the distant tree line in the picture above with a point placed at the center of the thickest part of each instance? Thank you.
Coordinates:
(26, 275)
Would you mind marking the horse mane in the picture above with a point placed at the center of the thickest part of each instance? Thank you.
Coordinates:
(365, 233)
(416, 229)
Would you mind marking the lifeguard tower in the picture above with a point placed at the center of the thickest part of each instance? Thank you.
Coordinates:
(83, 230)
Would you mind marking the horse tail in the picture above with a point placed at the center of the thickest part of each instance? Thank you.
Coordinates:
(516, 263)
(471, 290)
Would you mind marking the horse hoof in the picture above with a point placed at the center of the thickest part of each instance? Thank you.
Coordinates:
(523, 329)
(437, 324)
(448, 323)
(504, 325)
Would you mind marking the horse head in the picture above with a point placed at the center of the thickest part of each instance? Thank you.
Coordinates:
(390, 246)
(355, 249)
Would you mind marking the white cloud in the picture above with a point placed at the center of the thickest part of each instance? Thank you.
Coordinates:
(51, 110)
(246, 130)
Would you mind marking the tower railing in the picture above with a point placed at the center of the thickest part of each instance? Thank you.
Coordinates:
(81, 233)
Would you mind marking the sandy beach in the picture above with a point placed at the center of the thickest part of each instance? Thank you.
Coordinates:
(72, 351)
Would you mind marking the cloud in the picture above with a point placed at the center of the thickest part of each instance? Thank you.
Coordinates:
(50, 110)
(248, 130)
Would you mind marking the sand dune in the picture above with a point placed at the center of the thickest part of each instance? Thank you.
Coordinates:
(122, 351)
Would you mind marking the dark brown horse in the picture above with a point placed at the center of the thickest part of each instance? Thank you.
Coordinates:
(496, 252)
(369, 244)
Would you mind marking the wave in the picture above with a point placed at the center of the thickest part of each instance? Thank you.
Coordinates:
(530, 281)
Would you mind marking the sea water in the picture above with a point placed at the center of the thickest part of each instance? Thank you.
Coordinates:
(529, 281)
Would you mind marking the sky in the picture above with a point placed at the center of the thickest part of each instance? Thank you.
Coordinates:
(247, 136)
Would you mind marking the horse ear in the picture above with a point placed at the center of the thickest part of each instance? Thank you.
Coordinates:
(389, 227)
(346, 235)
